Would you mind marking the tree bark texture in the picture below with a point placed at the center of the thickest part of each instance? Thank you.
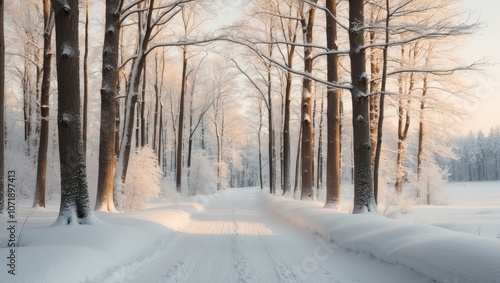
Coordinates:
(75, 204)
(86, 77)
(180, 132)
(333, 161)
(48, 19)
(107, 134)
(307, 151)
(363, 183)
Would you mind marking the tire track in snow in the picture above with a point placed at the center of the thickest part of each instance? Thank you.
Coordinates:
(241, 263)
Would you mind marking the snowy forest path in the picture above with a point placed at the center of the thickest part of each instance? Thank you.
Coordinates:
(236, 240)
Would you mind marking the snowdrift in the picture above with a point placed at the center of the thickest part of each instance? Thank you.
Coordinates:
(83, 253)
(438, 253)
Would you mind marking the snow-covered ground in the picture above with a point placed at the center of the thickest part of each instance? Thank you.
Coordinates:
(241, 235)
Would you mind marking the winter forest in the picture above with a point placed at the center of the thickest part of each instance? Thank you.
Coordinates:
(116, 111)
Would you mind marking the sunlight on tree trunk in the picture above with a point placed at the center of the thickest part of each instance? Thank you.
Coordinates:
(41, 175)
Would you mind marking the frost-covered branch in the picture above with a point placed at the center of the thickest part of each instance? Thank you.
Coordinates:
(285, 67)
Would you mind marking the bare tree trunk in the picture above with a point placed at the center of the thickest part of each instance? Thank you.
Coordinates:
(374, 83)
(180, 133)
(75, 203)
(131, 101)
(219, 155)
(191, 189)
(143, 108)
(109, 108)
(48, 19)
(403, 127)
(363, 183)
(158, 89)
(272, 169)
(421, 130)
(2, 107)
(160, 138)
(27, 93)
(297, 163)
(319, 175)
(86, 77)
(260, 146)
(307, 151)
(286, 123)
(333, 160)
(286, 129)
(378, 150)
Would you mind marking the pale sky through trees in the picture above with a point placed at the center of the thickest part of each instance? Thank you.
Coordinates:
(485, 44)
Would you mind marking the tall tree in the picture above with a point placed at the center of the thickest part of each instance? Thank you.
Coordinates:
(307, 150)
(109, 111)
(86, 77)
(333, 164)
(48, 19)
(364, 200)
(381, 102)
(288, 27)
(146, 28)
(180, 131)
(75, 203)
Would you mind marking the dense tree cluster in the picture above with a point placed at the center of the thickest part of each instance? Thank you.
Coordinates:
(258, 101)
(478, 157)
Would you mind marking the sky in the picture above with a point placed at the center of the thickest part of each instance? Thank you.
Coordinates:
(484, 44)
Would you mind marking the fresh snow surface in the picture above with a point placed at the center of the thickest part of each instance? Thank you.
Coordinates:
(244, 235)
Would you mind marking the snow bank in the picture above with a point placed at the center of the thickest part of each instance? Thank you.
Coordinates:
(78, 253)
(440, 254)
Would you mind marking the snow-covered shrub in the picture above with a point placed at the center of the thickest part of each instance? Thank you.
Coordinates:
(143, 180)
(430, 184)
(389, 203)
(203, 176)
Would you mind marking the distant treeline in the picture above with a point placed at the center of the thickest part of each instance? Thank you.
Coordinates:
(478, 157)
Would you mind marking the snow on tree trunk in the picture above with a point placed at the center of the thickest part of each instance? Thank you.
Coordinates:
(107, 135)
(364, 200)
(180, 133)
(307, 151)
(75, 204)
